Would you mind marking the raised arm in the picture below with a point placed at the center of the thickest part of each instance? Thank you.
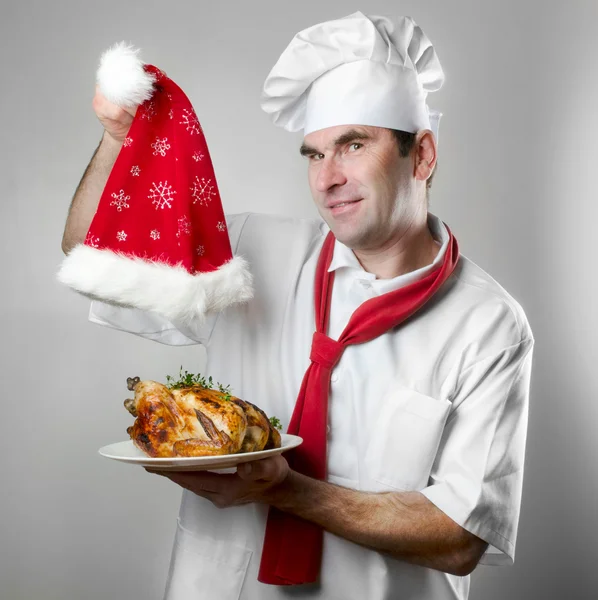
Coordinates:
(116, 122)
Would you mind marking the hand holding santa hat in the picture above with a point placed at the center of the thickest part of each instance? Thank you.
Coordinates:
(158, 240)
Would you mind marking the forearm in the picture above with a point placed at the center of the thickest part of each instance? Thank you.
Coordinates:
(88, 193)
(404, 524)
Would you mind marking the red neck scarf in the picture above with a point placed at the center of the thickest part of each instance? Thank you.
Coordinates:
(292, 546)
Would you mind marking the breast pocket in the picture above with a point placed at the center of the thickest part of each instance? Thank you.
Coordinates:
(403, 439)
(202, 567)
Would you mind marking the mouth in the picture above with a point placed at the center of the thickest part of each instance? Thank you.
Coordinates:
(338, 203)
(344, 206)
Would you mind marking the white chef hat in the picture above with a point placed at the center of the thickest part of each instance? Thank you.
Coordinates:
(356, 70)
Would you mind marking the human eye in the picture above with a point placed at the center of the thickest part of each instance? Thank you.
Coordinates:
(355, 146)
(315, 157)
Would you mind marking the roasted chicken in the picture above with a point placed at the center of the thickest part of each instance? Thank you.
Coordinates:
(195, 421)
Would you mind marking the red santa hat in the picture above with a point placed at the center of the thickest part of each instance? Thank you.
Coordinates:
(158, 240)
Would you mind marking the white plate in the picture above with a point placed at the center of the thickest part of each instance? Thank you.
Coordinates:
(129, 453)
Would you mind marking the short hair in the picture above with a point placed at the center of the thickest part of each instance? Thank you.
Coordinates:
(406, 142)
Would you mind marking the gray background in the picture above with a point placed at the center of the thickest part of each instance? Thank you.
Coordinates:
(516, 183)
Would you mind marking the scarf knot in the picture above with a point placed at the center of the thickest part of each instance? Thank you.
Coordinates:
(325, 351)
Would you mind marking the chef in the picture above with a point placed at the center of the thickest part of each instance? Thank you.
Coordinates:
(403, 365)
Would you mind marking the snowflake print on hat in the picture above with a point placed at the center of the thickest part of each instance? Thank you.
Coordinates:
(162, 195)
(164, 241)
(184, 227)
(92, 240)
(190, 122)
(160, 146)
(148, 111)
(120, 200)
(202, 191)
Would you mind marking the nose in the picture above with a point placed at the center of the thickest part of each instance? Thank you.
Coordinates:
(329, 174)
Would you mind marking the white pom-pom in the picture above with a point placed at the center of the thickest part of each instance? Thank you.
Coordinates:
(121, 76)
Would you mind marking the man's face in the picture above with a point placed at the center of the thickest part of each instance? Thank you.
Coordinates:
(362, 187)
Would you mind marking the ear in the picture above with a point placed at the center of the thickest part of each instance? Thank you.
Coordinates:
(425, 154)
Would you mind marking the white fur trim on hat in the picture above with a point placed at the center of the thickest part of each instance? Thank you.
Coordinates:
(122, 78)
(170, 291)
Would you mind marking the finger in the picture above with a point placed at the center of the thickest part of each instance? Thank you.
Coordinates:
(153, 471)
(202, 481)
(109, 110)
(266, 469)
(132, 110)
(217, 488)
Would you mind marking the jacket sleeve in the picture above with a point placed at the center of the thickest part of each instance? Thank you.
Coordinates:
(147, 325)
(153, 326)
(477, 476)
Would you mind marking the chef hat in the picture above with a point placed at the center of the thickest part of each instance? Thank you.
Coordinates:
(158, 240)
(356, 70)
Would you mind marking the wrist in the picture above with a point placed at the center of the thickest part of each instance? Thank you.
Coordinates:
(111, 142)
(283, 494)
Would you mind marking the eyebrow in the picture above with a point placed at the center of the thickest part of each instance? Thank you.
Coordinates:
(341, 140)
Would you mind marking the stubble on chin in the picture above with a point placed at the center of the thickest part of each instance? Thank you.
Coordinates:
(355, 236)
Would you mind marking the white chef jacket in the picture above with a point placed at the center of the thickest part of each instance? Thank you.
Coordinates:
(438, 404)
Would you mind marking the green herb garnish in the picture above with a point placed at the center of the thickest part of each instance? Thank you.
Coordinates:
(186, 379)
(275, 422)
(225, 391)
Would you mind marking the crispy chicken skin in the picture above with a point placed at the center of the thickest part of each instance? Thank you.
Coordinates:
(195, 421)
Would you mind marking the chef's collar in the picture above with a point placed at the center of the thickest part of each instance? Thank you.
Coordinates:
(344, 257)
